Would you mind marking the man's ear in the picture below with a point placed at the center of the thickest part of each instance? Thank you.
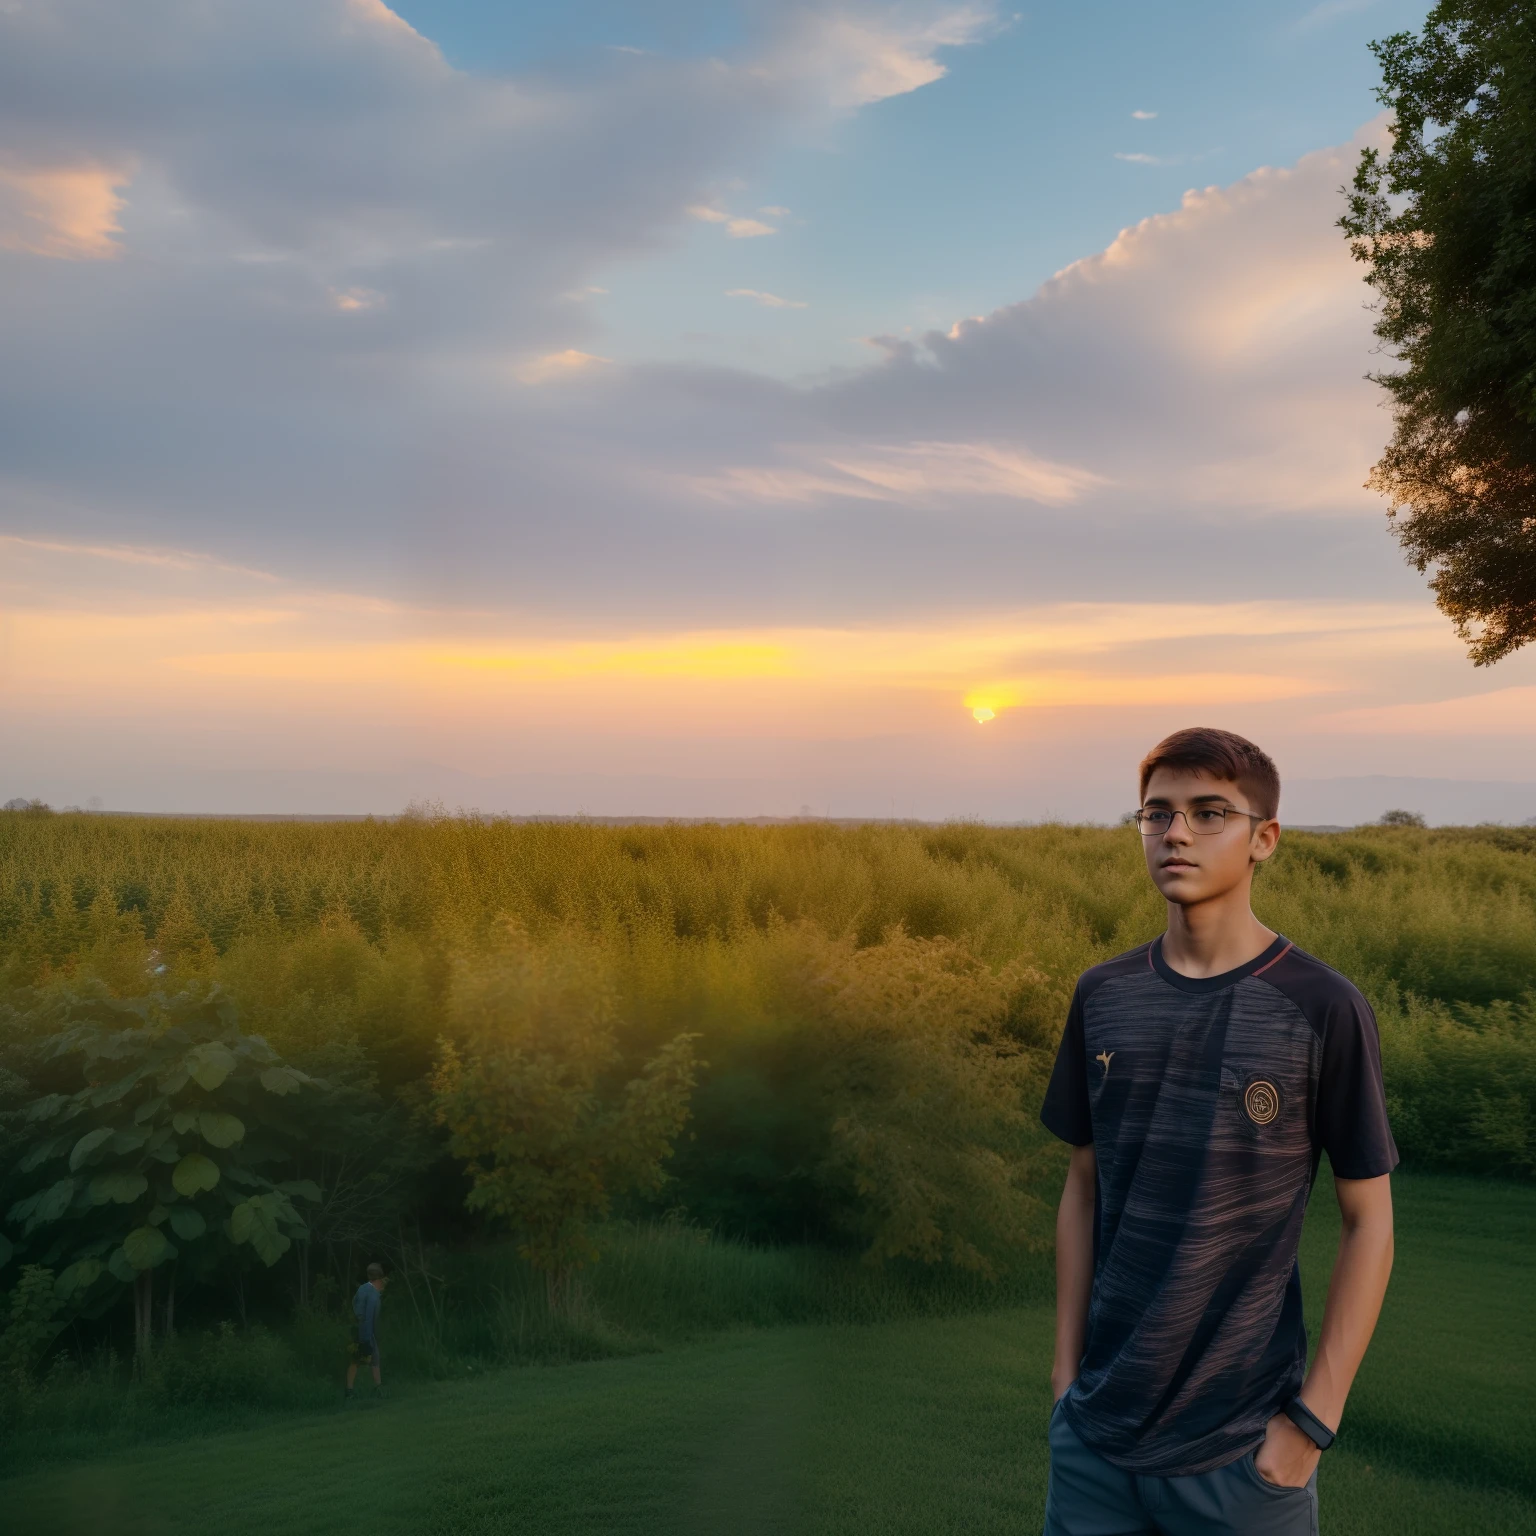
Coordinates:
(1264, 841)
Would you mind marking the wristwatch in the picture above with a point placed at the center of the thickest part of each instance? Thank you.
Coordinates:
(1308, 1423)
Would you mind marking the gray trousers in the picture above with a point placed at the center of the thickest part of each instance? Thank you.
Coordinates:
(1088, 1496)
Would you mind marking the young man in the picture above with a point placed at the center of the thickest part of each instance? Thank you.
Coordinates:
(365, 1334)
(1200, 1078)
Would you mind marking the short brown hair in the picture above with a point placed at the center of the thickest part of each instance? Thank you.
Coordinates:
(1219, 755)
(375, 1271)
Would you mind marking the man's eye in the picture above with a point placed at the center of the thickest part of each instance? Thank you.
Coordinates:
(1210, 818)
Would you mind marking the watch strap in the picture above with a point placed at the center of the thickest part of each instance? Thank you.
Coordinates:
(1308, 1423)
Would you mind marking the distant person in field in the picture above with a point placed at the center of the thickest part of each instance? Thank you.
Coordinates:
(1200, 1079)
(365, 1331)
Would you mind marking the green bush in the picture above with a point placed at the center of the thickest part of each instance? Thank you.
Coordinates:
(224, 1366)
(1461, 1085)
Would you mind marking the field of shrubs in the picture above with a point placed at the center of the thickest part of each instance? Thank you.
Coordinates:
(535, 1066)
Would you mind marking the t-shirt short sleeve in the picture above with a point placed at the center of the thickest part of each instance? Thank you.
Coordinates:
(1351, 1115)
(1066, 1110)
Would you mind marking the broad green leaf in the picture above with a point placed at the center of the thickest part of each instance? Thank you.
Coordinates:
(166, 1152)
(6, 1250)
(119, 1188)
(175, 1079)
(79, 1276)
(146, 1247)
(88, 1144)
(43, 1152)
(195, 1173)
(187, 1224)
(253, 1221)
(305, 1189)
(114, 1091)
(210, 1063)
(118, 1264)
(242, 1220)
(52, 1203)
(149, 1109)
(281, 1080)
(157, 1215)
(183, 1121)
(220, 1130)
(47, 1107)
(129, 1139)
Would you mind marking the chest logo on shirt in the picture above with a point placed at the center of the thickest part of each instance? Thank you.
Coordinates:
(1261, 1100)
(1104, 1057)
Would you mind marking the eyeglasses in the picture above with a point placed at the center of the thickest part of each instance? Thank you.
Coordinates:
(1203, 820)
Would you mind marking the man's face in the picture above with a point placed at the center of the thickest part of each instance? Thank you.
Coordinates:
(1188, 862)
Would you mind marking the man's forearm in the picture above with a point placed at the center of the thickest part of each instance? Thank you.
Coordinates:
(1355, 1293)
(1074, 1267)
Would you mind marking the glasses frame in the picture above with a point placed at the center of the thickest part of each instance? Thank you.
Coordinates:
(1194, 831)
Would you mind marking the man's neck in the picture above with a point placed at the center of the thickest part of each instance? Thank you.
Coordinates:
(1210, 938)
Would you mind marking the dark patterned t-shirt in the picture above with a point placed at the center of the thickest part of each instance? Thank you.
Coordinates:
(1209, 1103)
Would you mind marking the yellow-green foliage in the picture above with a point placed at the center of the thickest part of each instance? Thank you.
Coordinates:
(350, 931)
(532, 1091)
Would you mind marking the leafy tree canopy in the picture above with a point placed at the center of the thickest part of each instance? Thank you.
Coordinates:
(540, 1102)
(166, 1152)
(1446, 224)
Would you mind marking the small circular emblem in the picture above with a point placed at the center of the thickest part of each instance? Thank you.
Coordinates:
(1261, 1100)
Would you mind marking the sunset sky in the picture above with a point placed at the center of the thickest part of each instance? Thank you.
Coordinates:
(703, 408)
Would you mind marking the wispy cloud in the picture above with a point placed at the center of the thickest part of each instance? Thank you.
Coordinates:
(766, 300)
(1143, 117)
(738, 228)
(65, 211)
(349, 300)
(1136, 157)
(1501, 712)
(920, 474)
(559, 365)
(774, 212)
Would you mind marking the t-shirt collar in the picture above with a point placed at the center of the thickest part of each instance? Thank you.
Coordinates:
(1215, 983)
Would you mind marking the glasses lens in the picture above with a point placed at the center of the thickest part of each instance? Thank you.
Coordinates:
(1207, 819)
(1152, 823)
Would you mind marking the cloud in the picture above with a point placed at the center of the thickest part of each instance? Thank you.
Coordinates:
(773, 212)
(65, 211)
(766, 300)
(1501, 712)
(350, 300)
(559, 365)
(869, 53)
(1135, 158)
(262, 172)
(921, 474)
(1143, 117)
(737, 228)
(457, 437)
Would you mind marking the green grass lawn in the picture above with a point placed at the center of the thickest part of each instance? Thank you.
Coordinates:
(928, 1426)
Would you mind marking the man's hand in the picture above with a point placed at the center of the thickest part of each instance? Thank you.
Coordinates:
(1287, 1458)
